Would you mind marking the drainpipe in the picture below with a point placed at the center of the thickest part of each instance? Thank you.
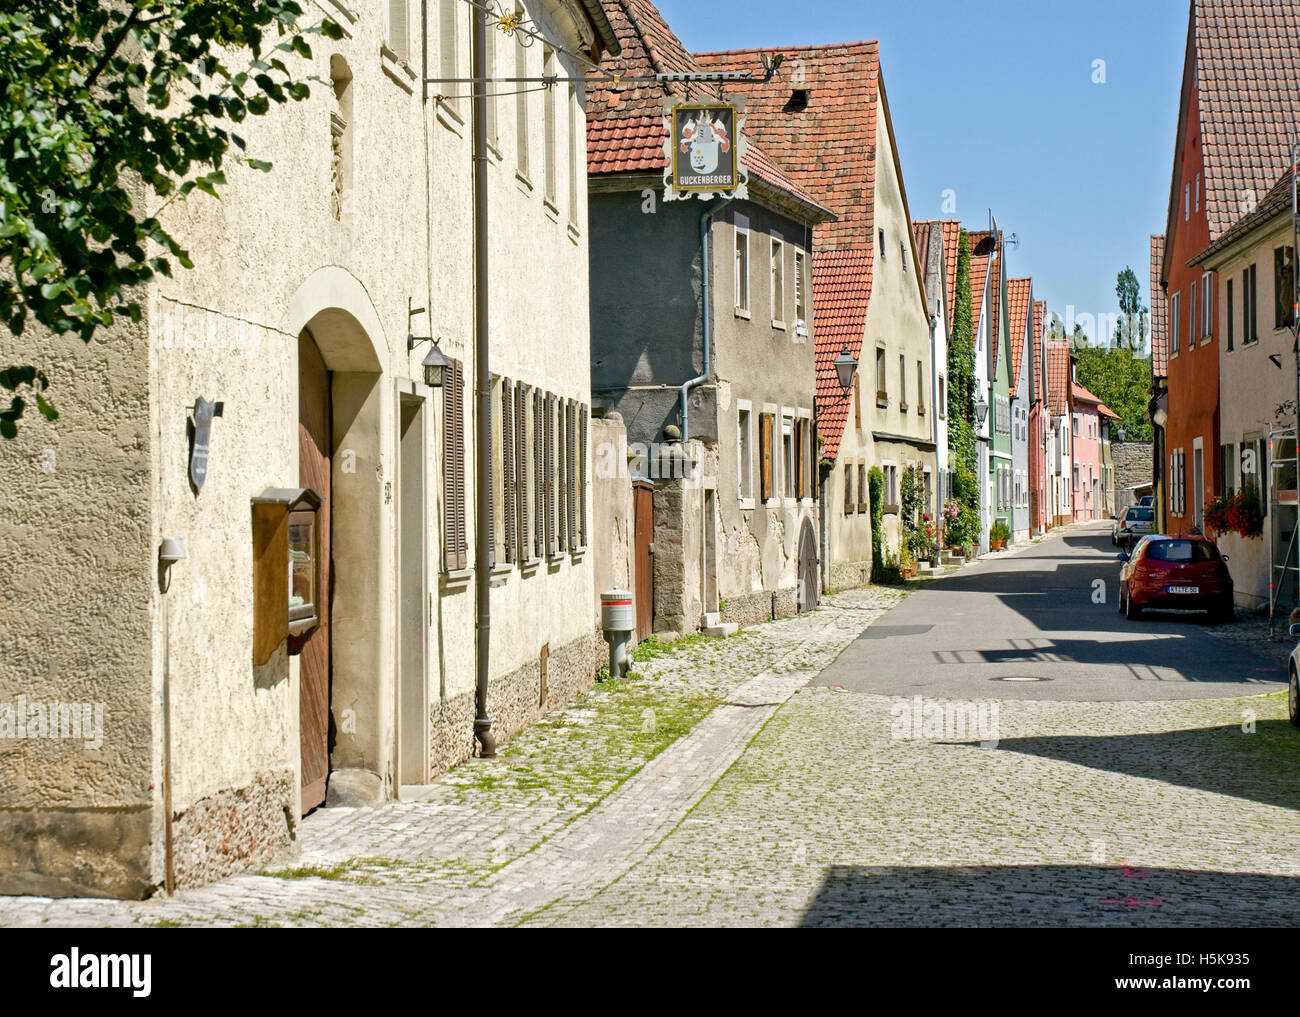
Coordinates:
(483, 386)
(706, 221)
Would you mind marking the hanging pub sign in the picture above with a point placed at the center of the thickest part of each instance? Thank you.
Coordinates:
(704, 149)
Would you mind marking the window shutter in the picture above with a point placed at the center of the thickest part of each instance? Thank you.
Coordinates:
(550, 473)
(583, 414)
(458, 557)
(486, 457)
(521, 471)
(508, 468)
(765, 453)
(571, 472)
(800, 449)
(863, 492)
(449, 546)
(849, 504)
(539, 476)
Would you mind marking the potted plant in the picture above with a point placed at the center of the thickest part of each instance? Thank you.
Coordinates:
(999, 534)
(907, 565)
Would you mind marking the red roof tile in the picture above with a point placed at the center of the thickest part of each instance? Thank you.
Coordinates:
(625, 123)
(841, 290)
(1159, 312)
(1248, 90)
(979, 270)
(1020, 294)
(1082, 395)
(1058, 377)
(1040, 325)
(951, 239)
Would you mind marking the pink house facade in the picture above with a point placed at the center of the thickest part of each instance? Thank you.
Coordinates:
(1088, 423)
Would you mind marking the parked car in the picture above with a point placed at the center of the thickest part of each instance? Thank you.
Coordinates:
(1187, 573)
(1134, 522)
(1292, 689)
(1148, 501)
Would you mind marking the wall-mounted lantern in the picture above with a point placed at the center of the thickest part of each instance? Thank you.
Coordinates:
(981, 411)
(846, 366)
(433, 363)
(286, 567)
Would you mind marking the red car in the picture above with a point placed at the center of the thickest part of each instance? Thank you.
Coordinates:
(1175, 572)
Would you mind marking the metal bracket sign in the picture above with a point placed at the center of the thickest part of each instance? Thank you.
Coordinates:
(705, 149)
(201, 439)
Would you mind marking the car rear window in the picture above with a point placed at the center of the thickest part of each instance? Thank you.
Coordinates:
(1182, 550)
(1143, 515)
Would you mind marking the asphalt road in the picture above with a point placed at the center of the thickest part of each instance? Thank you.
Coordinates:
(1034, 614)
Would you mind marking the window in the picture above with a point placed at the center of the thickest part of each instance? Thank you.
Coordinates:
(742, 269)
(548, 115)
(920, 387)
(882, 385)
(850, 506)
(1191, 318)
(1175, 320)
(765, 428)
(455, 548)
(787, 456)
(1227, 468)
(448, 57)
(745, 453)
(575, 139)
(1249, 309)
(521, 100)
(891, 488)
(503, 468)
(902, 382)
(778, 282)
(803, 458)
(399, 33)
(1231, 322)
(523, 485)
(902, 253)
(864, 489)
(800, 297)
(1196, 205)
(1283, 287)
(882, 245)
(1187, 202)
(943, 398)
(1207, 303)
(541, 476)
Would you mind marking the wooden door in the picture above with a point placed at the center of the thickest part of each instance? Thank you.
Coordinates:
(643, 559)
(810, 587)
(313, 648)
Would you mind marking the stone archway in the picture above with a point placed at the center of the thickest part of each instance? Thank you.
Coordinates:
(332, 307)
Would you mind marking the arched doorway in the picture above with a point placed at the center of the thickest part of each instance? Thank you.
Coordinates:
(809, 591)
(315, 451)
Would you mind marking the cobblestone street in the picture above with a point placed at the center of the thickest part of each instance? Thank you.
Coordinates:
(733, 782)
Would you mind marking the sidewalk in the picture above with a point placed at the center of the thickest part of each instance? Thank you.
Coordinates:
(570, 805)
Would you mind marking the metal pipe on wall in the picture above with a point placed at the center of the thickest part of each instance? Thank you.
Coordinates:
(483, 387)
(706, 316)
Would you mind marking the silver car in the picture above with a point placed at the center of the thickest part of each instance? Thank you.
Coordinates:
(1292, 690)
(1134, 522)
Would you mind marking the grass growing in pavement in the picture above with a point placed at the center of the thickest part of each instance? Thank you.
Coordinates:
(651, 648)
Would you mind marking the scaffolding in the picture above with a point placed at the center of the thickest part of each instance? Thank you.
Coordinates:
(1283, 533)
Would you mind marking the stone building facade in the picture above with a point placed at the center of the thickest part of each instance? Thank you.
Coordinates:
(307, 282)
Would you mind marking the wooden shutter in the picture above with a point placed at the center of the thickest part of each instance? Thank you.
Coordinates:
(453, 477)
(864, 490)
(583, 414)
(571, 473)
(800, 474)
(508, 486)
(521, 472)
(765, 453)
(488, 462)
(539, 476)
(550, 473)
(850, 506)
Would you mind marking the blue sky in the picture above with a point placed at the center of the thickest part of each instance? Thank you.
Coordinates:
(995, 100)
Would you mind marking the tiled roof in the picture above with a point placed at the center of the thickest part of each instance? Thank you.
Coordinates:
(1276, 202)
(1159, 312)
(1040, 323)
(1020, 294)
(1248, 78)
(1058, 377)
(830, 147)
(1082, 395)
(979, 270)
(625, 123)
(841, 289)
(951, 239)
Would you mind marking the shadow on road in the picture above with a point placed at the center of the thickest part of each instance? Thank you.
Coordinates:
(1049, 895)
(1263, 766)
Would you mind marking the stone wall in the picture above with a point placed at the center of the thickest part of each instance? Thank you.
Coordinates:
(612, 510)
(1133, 465)
(678, 544)
(236, 828)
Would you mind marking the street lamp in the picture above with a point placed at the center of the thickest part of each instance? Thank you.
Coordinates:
(433, 363)
(845, 367)
(981, 411)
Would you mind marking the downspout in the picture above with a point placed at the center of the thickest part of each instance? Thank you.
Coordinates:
(483, 386)
(936, 508)
(706, 309)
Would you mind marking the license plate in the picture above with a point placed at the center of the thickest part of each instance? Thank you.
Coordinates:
(1184, 589)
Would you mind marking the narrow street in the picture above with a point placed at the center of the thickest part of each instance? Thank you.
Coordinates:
(1151, 780)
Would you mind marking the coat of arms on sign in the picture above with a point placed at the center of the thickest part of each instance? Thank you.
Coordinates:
(704, 149)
